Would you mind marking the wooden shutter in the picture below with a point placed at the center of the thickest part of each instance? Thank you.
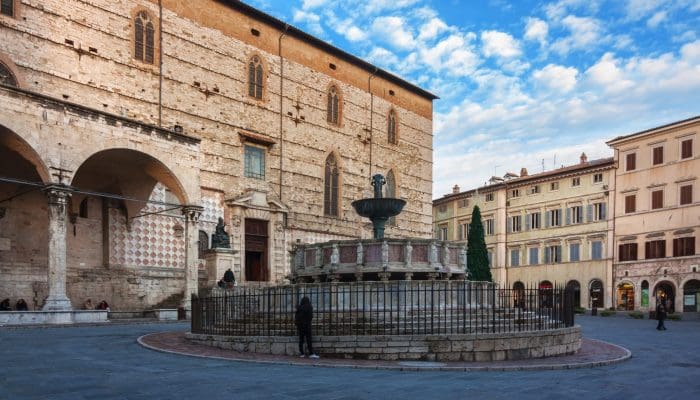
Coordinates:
(686, 194)
(658, 155)
(657, 199)
(631, 162)
(602, 211)
(630, 203)
(687, 148)
(589, 213)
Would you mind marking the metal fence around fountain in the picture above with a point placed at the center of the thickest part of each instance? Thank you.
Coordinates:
(385, 308)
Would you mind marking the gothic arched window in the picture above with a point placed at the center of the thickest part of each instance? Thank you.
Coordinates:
(333, 115)
(390, 191)
(203, 244)
(255, 78)
(144, 38)
(331, 190)
(391, 128)
(6, 76)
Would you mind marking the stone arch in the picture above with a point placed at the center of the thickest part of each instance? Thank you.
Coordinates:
(15, 147)
(12, 68)
(596, 293)
(625, 292)
(129, 173)
(661, 290)
(254, 213)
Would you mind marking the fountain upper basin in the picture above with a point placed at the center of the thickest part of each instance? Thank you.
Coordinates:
(384, 207)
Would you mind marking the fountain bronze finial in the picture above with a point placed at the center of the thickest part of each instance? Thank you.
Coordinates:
(378, 181)
(379, 208)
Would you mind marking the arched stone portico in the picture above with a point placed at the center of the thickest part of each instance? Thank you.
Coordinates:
(71, 153)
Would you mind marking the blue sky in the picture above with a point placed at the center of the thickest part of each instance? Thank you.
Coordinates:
(522, 83)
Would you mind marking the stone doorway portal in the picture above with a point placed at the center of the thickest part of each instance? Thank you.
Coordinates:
(256, 250)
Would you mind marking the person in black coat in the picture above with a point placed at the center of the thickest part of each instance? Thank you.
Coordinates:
(5, 305)
(303, 318)
(660, 315)
(229, 279)
(21, 305)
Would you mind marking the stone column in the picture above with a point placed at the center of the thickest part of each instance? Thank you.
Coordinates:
(191, 214)
(58, 213)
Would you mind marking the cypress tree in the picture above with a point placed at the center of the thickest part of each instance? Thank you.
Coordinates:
(477, 255)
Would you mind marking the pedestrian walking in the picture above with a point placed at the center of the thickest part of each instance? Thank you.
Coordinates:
(660, 315)
(303, 318)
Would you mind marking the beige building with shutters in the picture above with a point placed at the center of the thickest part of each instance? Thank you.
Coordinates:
(657, 217)
(551, 228)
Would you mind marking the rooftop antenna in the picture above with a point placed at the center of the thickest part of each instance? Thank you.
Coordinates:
(494, 169)
(554, 165)
(543, 165)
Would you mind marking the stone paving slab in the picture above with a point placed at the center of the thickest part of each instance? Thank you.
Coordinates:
(593, 353)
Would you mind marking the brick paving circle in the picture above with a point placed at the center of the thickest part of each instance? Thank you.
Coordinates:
(593, 353)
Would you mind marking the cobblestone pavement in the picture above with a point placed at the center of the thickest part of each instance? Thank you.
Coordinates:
(107, 363)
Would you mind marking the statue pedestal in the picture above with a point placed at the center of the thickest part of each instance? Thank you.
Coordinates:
(218, 261)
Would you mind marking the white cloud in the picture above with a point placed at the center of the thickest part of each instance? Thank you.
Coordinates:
(586, 33)
(431, 29)
(556, 11)
(310, 19)
(556, 77)
(394, 31)
(656, 19)
(382, 56)
(638, 9)
(377, 6)
(309, 4)
(607, 75)
(499, 44)
(691, 53)
(453, 55)
(536, 30)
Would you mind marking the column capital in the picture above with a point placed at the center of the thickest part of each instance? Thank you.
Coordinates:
(192, 213)
(57, 194)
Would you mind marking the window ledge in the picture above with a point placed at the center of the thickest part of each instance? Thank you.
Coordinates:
(256, 138)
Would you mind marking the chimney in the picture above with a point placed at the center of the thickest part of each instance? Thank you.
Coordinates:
(455, 189)
(523, 171)
(584, 158)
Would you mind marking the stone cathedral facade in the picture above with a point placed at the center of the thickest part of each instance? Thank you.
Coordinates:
(128, 128)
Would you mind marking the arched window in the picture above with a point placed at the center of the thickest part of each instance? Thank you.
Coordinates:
(255, 78)
(330, 194)
(7, 7)
(6, 76)
(391, 128)
(333, 106)
(144, 38)
(390, 191)
(203, 244)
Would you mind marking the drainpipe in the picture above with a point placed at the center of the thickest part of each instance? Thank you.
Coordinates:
(160, 62)
(371, 118)
(279, 48)
(611, 212)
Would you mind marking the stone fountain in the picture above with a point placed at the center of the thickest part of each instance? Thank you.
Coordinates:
(379, 258)
(378, 209)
